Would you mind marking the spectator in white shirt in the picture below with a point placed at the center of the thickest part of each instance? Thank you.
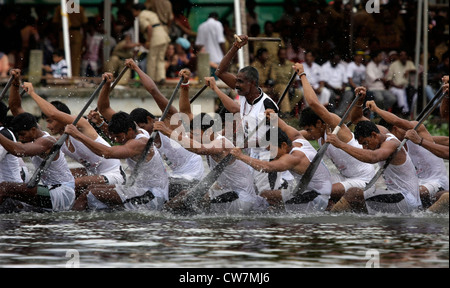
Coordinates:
(210, 36)
(398, 75)
(313, 73)
(59, 67)
(334, 78)
(375, 82)
(356, 75)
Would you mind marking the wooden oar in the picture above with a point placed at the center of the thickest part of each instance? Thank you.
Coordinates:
(57, 146)
(424, 115)
(195, 195)
(430, 104)
(8, 84)
(150, 141)
(266, 39)
(198, 94)
(294, 75)
(309, 173)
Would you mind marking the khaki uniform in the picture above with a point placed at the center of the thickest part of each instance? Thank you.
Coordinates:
(264, 71)
(164, 10)
(117, 61)
(76, 22)
(272, 47)
(281, 74)
(158, 44)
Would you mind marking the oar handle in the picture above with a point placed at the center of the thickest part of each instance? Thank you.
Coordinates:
(198, 94)
(294, 75)
(8, 84)
(46, 163)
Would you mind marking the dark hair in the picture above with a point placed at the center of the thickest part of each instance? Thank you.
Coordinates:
(260, 52)
(364, 129)
(139, 6)
(120, 123)
(214, 15)
(375, 53)
(251, 74)
(308, 118)
(23, 122)
(139, 115)
(59, 53)
(206, 121)
(3, 113)
(60, 106)
(282, 137)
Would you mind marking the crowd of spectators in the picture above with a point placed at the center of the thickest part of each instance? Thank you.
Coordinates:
(343, 46)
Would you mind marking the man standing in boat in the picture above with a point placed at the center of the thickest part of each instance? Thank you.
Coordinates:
(253, 104)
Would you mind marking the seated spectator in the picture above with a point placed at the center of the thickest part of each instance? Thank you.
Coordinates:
(376, 83)
(334, 79)
(186, 59)
(313, 73)
(398, 77)
(59, 67)
(171, 61)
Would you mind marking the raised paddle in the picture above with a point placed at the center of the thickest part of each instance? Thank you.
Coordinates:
(8, 84)
(266, 39)
(430, 104)
(309, 173)
(57, 146)
(424, 115)
(198, 94)
(150, 141)
(294, 75)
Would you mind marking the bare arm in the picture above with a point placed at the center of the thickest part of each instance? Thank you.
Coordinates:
(357, 115)
(286, 162)
(444, 109)
(365, 155)
(229, 103)
(52, 112)
(151, 87)
(439, 150)
(184, 102)
(223, 70)
(15, 102)
(103, 103)
(132, 148)
(37, 148)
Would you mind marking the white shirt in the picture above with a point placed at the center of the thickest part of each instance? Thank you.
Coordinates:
(93, 163)
(321, 181)
(334, 76)
(356, 72)
(210, 35)
(313, 73)
(373, 72)
(57, 173)
(9, 164)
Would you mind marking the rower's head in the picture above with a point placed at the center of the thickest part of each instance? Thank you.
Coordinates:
(25, 126)
(247, 82)
(397, 131)
(312, 123)
(203, 125)
(3, 113)
(122, 128)
(281, 144)
(368, 135)
(143, 118)
(54, 126)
